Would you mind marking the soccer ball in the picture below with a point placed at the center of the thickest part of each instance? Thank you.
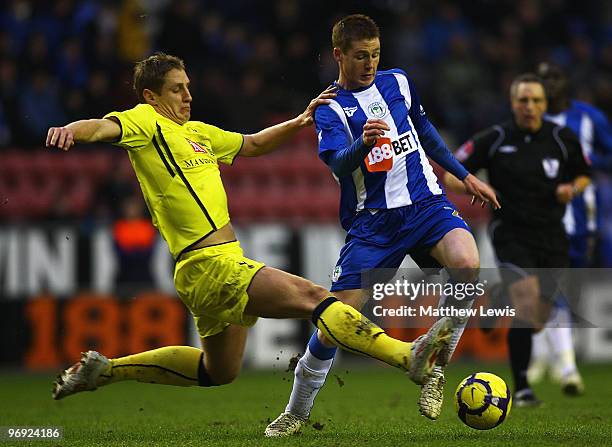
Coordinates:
(483, 400)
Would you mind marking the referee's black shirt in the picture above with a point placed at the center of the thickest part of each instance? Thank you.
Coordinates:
(525, 169)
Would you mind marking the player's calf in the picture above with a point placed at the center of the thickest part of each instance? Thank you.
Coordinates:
(170, 365)
(350, 330)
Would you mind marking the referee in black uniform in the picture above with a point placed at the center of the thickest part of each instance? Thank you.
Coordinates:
(536, 168)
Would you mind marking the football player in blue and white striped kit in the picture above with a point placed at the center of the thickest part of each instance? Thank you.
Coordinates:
(594, 132)
(375, 137)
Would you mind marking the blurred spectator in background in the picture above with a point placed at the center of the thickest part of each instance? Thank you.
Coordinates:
(250, 97)
(74, 103)
(119, 184)
(15, 20)
(132, 35)
(269, 49)
(5, 131)
(71, 66)
(36, 54)
(455, 77)
(443, 25)
(179, 27)
(134, 238)
(212, 86)
(9, 98)
(40, 106)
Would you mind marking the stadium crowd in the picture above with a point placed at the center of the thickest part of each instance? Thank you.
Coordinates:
(65, 59)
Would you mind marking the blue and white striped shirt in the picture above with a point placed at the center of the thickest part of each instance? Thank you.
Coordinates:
(396, 171)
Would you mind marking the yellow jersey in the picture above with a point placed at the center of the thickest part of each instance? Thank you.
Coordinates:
(177, 168)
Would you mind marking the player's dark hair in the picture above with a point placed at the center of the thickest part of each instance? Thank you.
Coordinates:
(353, 27)
(150, 72)
(555, 81)
(527, 78)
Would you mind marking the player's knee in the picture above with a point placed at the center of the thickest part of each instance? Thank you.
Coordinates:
(313, 294)
(304, 296)
(225, 379)
(225, 376)
(471, 263)
(215, 374)
(465, 268)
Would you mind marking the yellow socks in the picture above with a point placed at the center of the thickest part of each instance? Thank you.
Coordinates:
(350, 330)
(183, 366)
(171, 365)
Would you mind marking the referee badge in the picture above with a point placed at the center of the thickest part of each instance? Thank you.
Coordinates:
(551, 167)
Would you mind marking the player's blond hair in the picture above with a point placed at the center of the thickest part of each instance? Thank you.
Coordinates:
(150, 72)
(351, 28)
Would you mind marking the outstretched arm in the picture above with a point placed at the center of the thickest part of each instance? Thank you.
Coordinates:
(457, 178)
(271, 138)
(473, 154)
(83, 131)
(471, 184)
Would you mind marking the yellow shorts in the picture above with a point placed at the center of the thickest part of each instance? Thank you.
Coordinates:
(212, 282)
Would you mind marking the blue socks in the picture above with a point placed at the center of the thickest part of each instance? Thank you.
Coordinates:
(319, 350)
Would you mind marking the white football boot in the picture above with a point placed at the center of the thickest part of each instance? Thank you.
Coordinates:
(538, 368)
(432, 394)
(284, 425)
(81, 376)
(427, 347)
(572, 384)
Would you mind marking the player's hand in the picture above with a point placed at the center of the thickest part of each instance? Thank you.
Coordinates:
(565, 192)
(306, 118)
(61, 137)
(480, 191)
(372, 129)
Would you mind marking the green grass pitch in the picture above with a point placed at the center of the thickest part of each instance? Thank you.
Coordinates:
(374, 406)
